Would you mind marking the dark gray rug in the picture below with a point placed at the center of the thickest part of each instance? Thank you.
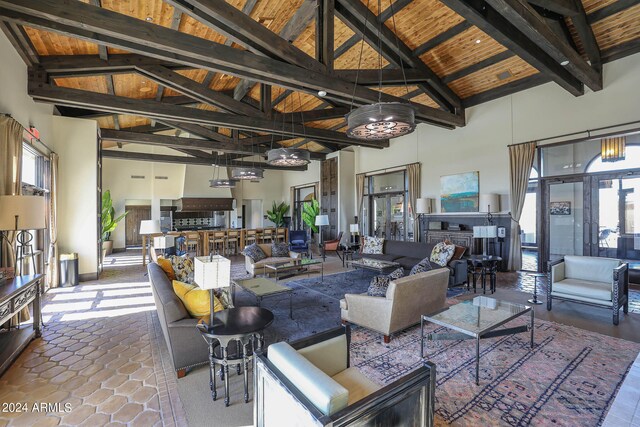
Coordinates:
(316, 304)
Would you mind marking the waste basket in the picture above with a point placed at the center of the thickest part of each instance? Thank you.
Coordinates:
(69, 270)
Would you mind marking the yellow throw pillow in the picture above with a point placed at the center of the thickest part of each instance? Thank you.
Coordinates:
(166, 266)
(195, 300)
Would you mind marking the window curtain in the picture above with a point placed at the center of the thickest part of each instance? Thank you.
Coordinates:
(359, 199)
(520, 163)
(52, 271)
(413, 174)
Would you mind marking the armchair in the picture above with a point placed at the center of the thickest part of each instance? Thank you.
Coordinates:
(406, 300)
(310, 383)
(331, 245)
(298, 242)
(602, 282)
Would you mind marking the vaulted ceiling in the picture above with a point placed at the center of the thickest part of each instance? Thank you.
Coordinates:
(245, 74)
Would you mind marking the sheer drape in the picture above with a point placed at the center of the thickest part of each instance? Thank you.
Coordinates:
(520, 163)
(359, 198)
(413, 174)
(52, 273)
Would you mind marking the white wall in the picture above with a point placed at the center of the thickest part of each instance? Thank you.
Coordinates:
(75, 141)
(481, 145)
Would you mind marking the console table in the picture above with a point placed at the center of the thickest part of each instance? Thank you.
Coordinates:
(15, 295)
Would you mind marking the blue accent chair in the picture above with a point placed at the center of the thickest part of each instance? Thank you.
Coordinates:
(298, 242)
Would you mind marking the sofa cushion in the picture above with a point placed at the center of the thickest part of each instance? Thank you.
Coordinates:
(421, 267)
(442, 253)
(372, 245)
(279, 249)
(166, 299)
(358, 385)
(271, 260)
(165, 265)
(584, 288)
(590, 268)
(323, 392)
(254, 252)
(298, 242)
(381, 257)
(379, 284)
(197, 301)
(407, 262)
(183, 268)
(407, 249)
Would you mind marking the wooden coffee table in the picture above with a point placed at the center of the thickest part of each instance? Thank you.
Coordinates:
(379, 266)
(261, 287)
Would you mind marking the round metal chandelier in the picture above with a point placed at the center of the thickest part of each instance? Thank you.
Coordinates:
(223, 183)
(247, 173)
(381, 121)
(288, 157)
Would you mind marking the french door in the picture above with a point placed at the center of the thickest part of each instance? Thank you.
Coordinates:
(388, 216)
(591, 215)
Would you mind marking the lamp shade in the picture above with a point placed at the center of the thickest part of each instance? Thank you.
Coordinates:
(164, 242)
(489, 203)
(322, 220)
(212, 272)
(485, 231)
(354, 228)
(423, 206)
(22, 213)
(150, 226)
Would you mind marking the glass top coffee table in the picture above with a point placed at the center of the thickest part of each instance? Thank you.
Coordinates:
(284, 269)
(261, 287)
(379, 266)
(475, 319)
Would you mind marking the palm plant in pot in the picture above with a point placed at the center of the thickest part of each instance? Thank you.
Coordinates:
(109, 222)
(277, 213)
(310, 210)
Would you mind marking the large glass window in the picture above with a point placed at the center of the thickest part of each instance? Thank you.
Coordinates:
(385, 208)
(301, 196)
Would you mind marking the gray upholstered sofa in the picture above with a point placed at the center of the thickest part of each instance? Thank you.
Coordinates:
(186, 345)
(408, 254)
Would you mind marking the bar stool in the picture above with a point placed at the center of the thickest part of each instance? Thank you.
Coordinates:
(233, 238)
(281, 234)
(267, 235)
(249, 237)
(192, 241)
(218, 241)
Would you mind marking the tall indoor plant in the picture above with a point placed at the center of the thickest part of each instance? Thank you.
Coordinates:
(109, 222)
(277, 213)
(310, 210)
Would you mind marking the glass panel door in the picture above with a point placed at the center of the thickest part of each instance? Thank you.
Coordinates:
(565, 219)
(397, 231)
(380, 218)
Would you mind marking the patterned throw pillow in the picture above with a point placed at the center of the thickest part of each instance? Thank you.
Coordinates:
(254, 252)
(183, 268)
(421, 267)
(379, 284)
(279, 250)
(442, 254)
(372, 245)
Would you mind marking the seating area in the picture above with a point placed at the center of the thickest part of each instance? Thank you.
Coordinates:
(319, 213)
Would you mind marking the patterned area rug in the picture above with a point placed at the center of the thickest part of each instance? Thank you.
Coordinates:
(569, 378)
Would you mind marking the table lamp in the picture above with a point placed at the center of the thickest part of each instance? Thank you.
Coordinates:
(423, 206)
(489, 203)
(212, 272)
(149, 226)
(320, 221)
(485, 232)
(355, 230)
(22, 213)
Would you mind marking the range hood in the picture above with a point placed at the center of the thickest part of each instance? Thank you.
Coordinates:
(204, 204)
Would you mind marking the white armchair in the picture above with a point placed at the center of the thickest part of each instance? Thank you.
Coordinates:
(590, 280)
(406, 300)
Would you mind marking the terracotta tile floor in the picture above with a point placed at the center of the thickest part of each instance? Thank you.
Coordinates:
(99, 355)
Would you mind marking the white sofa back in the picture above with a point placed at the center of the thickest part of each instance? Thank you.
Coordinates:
(594, 269)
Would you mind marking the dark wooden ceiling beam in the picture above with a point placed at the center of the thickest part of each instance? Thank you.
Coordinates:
(442, 37)
(198, 130)
(393, 9)
(505, 32)
(519, 13)
(586, 35)
(390, 77)
(163, 158)
(630, 47)
(610, 9)
(265, 100)
(492, 60)
(506, 89)
(96, 24)
(163, 112)
(20, 42)
(313, 115)
(90, 65)
(563, 7)
(360, 19)
(325, 32)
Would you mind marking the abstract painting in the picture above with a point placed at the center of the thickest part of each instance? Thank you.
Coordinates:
(459, 193)
(560, 208)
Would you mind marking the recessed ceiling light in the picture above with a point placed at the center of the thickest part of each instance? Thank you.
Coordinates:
(322, 93)
(565, 62)
(478, 41)
(149, 18)
(145, 89)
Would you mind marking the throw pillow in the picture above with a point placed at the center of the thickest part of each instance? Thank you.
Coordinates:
(254, 252)
(379, 284)
(458, 253)
(183, 268)
(279, 250)
(421, 267)
(166, 266)
(442, 253)
(196, 301)
(373, 245)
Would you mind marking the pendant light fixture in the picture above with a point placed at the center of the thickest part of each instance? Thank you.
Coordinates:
(381, 120)
(247, 172)
(218, 182)
(613, 149)
(285, 156)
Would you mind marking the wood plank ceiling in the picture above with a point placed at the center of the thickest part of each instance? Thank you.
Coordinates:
(455, 54)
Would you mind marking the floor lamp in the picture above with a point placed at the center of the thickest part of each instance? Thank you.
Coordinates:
(147, 227)
(423, 207)
(320, 221)
(22, 214)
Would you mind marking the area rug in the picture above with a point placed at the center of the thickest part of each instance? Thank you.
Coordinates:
(316, 304)
(569, 378)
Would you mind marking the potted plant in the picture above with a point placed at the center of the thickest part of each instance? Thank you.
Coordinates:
(310, 210)
(109, 222)
(277, 213)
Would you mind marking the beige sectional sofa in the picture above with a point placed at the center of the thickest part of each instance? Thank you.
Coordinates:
(254, 268)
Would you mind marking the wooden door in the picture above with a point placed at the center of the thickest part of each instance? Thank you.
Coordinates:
(329, 197)
(132, 223)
